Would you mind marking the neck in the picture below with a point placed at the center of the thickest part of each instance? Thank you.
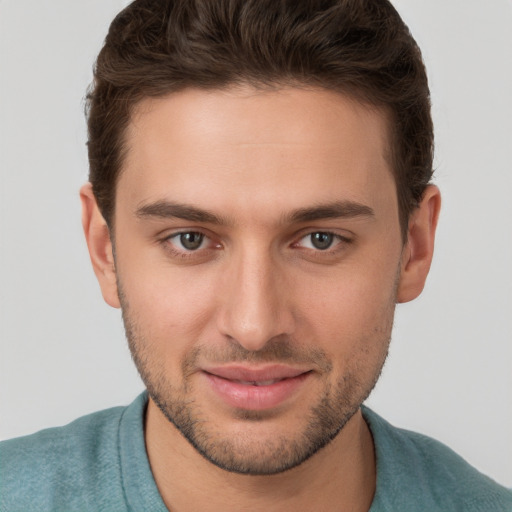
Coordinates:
(341, 476)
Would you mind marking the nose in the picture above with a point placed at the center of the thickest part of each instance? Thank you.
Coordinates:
(255, 305)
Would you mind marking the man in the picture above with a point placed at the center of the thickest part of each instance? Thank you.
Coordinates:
(259, 202)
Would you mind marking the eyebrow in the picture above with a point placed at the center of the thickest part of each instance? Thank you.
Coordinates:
(170, 210)
(334, 210)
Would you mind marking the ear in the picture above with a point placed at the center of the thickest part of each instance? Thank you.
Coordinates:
(99, 243)
(419, 248)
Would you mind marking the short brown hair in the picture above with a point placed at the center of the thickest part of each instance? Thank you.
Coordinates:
(357, 47)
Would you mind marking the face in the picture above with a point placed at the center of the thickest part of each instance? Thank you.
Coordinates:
(258, 255)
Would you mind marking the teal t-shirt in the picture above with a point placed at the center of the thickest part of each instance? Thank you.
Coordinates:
(99, 463)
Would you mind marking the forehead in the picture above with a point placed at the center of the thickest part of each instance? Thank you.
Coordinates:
(238, 148)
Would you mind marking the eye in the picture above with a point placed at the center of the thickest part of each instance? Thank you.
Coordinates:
(188, 241)
(319, 240)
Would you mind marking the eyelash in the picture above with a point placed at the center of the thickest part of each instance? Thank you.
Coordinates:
(185, 253)
(333, 249)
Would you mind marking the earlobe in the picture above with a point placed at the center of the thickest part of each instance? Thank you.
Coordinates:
(419, 249)
(97, 235)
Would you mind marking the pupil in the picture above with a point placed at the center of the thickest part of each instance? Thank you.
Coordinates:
(321, 240)
(191, 241)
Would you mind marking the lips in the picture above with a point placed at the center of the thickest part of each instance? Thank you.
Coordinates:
(255, 388)
(255, 374)
(258, 383)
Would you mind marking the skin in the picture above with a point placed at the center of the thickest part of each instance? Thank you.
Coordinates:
(257, 290)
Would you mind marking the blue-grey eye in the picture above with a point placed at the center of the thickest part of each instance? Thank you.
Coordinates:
(191, 241)
(321, 240)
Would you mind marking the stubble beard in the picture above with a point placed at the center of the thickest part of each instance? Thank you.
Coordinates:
(240, 453)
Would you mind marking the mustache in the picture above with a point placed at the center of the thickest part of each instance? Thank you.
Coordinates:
(277, 350)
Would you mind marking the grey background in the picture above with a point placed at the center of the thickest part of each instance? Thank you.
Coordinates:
(62, 350)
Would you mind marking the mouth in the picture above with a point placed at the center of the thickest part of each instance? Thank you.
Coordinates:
(256, 388)
(258, 383)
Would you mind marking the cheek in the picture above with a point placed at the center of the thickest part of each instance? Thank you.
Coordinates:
(354, 312)
(170, 307)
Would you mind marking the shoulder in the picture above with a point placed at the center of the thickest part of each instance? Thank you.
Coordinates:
(64, 464)
(425, 474)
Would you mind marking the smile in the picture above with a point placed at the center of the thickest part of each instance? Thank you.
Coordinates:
(256, 389)
(256, 383)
